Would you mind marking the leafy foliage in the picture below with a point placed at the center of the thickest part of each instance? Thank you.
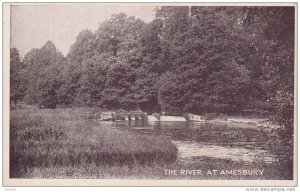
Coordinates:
(188, 59)
(43, 75)
(17, 84)
(201, 60)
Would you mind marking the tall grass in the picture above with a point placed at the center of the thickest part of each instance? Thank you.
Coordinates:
(60, 138)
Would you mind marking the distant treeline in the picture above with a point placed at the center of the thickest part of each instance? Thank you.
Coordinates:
(188, 59)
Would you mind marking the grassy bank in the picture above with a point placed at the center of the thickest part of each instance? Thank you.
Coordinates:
(70, 143)
(44, 140)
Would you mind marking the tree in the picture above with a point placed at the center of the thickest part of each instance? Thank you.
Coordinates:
(91, 83)
(43, 75)
(83, 48)
(148, 74)
(188, 59)
(118, 87)
(30, 60)
(84, 73)
(276, 29)
(17, 84)
(119, 44)
(172, 96)
(48, 83)
(204, 61)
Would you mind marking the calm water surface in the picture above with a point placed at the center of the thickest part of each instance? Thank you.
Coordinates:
(196, 141)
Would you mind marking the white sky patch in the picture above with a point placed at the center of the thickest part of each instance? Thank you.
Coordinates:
(33, 25)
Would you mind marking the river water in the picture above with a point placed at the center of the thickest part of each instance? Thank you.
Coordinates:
(235, 142)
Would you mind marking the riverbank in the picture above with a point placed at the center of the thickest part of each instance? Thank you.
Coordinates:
(244, 121)
(71, 143)
(45, 140)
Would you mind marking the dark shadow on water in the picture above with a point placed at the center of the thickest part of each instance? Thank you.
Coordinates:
(212, 145)
(207, 133)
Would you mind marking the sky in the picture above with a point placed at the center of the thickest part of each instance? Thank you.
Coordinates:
(33, 25)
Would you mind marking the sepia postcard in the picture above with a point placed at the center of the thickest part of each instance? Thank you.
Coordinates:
(150, 94)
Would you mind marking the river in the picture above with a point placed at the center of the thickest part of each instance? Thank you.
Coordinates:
(196, 141)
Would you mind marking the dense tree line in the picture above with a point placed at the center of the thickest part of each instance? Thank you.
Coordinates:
(188, 59)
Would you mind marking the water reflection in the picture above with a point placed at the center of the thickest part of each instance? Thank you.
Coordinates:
(191, 151)
(232, 141)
